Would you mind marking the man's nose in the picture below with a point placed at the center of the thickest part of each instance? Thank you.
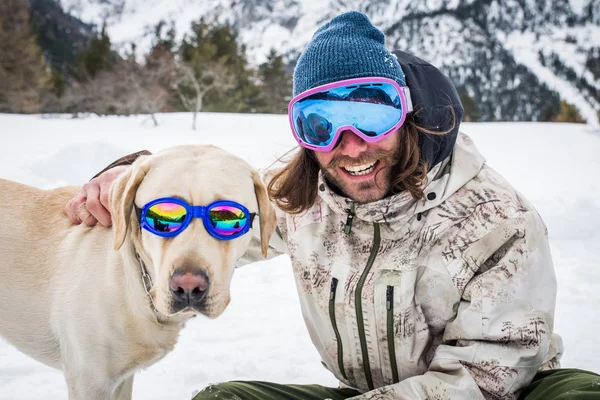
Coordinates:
(351, 145)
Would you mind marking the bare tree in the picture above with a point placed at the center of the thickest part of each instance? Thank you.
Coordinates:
(193, 84)
(150, 85)
(99, 94)
(128, 88)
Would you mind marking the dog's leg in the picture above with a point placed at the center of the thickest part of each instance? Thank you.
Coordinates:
(87, 386)
(125, 389)
(71, 386)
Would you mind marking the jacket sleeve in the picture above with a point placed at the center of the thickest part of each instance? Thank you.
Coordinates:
(277, 247)
(503, 330)
(277, 244)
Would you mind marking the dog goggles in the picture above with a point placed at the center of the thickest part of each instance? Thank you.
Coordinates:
(372, 108)
(169, 216)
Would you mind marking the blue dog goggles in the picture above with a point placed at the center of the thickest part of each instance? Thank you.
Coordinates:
(169, 216)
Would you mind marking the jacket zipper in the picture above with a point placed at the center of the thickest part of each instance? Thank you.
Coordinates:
(334, 283)
(389, 304)
(358, 305)
(350, 218)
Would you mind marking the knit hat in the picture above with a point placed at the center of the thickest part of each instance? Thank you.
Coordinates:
(348, 46)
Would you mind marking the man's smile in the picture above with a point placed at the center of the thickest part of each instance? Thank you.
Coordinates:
(360, 173)
(358, 170)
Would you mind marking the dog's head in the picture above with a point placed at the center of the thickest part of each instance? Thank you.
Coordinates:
(192, 271)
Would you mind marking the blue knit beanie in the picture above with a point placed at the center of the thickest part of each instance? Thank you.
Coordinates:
(348, 46)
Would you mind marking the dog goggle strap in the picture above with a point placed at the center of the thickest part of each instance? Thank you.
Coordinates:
(372, 108)
(169, 216)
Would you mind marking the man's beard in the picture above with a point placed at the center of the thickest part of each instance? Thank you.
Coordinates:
(389, 157)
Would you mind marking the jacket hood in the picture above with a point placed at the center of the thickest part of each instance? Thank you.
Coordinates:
(436, 106)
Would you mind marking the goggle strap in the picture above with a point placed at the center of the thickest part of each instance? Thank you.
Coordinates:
(409, 104)
(138, 212)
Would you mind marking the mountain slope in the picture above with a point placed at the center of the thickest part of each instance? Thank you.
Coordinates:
(510, 59)
(61, 36)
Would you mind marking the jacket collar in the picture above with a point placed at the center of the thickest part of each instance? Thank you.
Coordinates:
(443, 180)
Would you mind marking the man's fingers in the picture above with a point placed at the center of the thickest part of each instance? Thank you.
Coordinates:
(84, 215)
(104, 199)
(90, 220)
(90, 205)
(95, 206)
(72, 207)
(70, 214)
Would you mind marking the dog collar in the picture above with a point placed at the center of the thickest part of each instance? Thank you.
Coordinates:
(147, 282)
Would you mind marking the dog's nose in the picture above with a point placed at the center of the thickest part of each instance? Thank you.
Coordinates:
(188, 288)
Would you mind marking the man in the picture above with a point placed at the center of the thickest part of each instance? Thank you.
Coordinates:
(422, 274)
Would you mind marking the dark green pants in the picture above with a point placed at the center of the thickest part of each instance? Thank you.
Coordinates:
(558, 384)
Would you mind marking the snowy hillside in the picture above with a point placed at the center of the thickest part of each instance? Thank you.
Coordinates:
(516, 59)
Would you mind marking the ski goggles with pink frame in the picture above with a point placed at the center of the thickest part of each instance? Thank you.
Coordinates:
(372, 108)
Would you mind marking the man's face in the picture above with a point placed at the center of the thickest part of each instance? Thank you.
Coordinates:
(360, 170)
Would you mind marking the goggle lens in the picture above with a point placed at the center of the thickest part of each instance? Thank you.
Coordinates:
(371, 108)
(227, 220)
(166, 217)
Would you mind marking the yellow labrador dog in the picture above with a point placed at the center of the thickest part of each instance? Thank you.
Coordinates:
(101, 303)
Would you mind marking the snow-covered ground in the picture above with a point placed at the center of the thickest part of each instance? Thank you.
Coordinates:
(262, 335)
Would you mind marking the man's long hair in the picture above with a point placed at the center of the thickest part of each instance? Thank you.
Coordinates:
(294, 187)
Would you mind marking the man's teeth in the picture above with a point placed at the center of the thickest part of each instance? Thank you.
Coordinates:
(357, 170)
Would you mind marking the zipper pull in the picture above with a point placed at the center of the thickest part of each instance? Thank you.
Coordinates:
(389, 297)
(348, 227)
(334, 283)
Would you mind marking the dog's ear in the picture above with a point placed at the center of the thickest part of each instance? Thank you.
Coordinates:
(121, 197)
(268, 220)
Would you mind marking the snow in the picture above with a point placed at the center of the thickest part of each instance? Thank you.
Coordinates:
(525, 51)
(262, 335)
(578, 6)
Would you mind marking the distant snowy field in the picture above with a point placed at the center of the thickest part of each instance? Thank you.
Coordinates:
(262, 335)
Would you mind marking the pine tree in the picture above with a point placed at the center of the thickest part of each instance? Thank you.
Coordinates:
(24, 75)
(98, 56)
(276, 83)
(163, 41)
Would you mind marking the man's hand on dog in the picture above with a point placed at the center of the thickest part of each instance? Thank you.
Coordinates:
(90, 204)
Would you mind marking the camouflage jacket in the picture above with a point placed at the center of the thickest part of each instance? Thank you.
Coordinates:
(449, 297)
